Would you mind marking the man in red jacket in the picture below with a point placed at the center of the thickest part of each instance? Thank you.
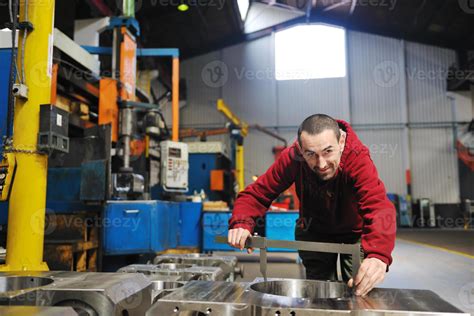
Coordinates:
(342, 200)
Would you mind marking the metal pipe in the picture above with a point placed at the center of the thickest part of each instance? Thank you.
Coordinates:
(175, 99)
(26, 218)
(270, 133)
(126, 126)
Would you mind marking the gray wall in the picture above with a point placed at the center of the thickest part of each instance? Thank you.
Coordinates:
(394, 95)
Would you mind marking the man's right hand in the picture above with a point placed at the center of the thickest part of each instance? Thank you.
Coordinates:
(237, 238)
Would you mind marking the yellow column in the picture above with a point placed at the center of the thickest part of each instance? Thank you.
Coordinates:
(26, 215)
(239, 165)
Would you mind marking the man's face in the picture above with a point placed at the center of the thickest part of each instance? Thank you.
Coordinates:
(322, 152)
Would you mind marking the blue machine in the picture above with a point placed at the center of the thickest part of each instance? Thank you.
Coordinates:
(281, 226)
(215, 224)
(5, 58)
(131, 227)
(190, 225)
(200, 167)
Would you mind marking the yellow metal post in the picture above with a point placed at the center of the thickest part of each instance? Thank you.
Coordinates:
(26, 218)
(239, 166)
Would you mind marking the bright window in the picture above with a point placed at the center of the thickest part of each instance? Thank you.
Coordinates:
(311, 51)
(243, 8)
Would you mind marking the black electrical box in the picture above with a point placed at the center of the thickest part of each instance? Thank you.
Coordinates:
(53, 129)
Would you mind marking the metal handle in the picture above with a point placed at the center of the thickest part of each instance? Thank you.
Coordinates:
(132, 211)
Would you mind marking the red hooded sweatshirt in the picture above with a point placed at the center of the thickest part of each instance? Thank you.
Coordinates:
(353, 203)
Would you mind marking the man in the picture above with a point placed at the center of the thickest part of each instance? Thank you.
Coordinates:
(342, 200)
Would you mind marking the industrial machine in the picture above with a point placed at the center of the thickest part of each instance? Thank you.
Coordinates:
(100, 138)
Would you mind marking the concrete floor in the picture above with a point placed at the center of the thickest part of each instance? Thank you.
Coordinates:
(415, 266)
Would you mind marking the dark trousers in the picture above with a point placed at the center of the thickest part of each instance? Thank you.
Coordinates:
(323, 266)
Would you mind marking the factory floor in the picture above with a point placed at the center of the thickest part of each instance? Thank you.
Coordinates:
(438, 260)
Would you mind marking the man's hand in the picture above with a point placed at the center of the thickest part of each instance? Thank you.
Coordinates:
(237, 238)
(371, 273)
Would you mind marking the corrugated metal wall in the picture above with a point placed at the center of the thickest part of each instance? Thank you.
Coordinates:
(375, 79)
(434, 171)
(387, 153)
(389, 81)
(426, 72)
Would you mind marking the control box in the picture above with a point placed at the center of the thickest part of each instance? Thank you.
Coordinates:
(174, 166)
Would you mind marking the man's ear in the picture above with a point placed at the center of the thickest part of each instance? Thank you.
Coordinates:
(342, 139)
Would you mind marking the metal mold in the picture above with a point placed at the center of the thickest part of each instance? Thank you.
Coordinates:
(198, 298)
(19, 283)
(162, 288)
(185, 272)
(303, 289)
(228, 264)
(88, 293)
(174, 266)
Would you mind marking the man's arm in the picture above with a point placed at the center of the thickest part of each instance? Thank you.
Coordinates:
(255, 200)
(379, 223)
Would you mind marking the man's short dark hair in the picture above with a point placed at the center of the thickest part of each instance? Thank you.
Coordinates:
(317, 123)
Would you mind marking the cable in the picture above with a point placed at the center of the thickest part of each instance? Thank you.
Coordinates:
(25, 35)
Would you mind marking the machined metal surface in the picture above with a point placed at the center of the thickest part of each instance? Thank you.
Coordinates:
(323, 298)
(228, 264)
(88, 293)
(187, 272)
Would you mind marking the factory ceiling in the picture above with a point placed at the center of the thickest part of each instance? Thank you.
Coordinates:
(212, 24)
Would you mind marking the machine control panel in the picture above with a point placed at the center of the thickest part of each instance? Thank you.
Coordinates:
(174, 166)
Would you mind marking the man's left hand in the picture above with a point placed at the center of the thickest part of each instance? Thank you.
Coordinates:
(371, 273)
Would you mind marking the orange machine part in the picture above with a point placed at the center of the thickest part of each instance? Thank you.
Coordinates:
(217, 180)
(108, 108)
(137, 147)
(128, 65)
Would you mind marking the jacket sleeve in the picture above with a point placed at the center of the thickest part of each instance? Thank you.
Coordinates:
(255, 200)
(378, 213)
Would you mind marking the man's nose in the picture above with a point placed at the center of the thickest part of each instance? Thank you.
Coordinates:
(321, 163)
